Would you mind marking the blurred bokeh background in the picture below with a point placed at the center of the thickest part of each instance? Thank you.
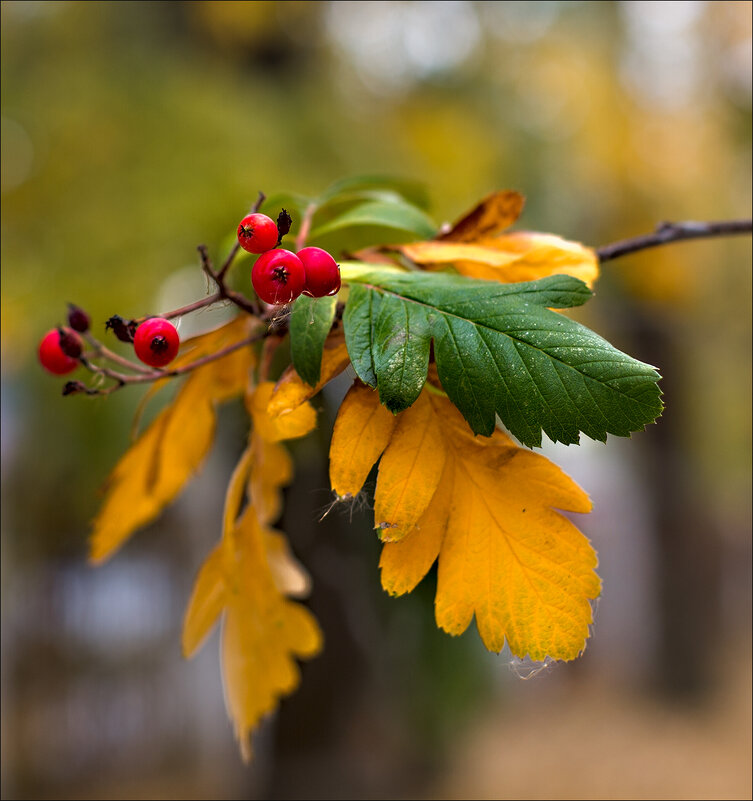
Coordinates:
(131, 132)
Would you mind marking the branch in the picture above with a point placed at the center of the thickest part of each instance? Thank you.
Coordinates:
(303, 231)
(157, 375)
(667, 232)
(105, 353)
(236, 297)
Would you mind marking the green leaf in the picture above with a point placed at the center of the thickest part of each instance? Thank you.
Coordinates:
(399, 217)
(500, 350)
(310, 323)
(412, 191)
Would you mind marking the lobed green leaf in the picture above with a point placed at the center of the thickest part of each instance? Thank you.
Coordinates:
(499, 350)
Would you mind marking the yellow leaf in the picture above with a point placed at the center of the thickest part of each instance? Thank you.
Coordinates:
(291, 577)
(405, 562)
(492, 215)
(262, 633)
(362, 431)
(409, 471)
(286, 425)
(247, 578)
(291, 391)
(505, 554)
(521, 256)
(272, 469)
(169, 452)
(208, 599)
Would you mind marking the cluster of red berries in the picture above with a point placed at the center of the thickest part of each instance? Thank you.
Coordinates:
(279, 275)
(155, 341)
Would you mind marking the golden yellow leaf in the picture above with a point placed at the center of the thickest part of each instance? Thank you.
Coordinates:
(262, 633)
(291, 424)
(409, 471)
(362, 431)
(291, 577)
(272, 470)
(169, 452)
(520, 256)
(272, 467)
(403, 567)
(207, 601)
(291, 390)
(247, 578)
(493, 214)
(505, 554)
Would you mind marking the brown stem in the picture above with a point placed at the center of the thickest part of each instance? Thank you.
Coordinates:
(667, 232)
(106, 353)
(189, 307)
(303, 231)
(156, 375)
(235, 297)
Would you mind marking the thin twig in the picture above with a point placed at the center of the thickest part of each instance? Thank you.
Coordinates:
(106, 353)
(189, 307)
(667, 232)
(303, 231)
(236, 297)
(157, 375)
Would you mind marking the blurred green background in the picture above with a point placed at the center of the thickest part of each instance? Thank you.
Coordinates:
(131, 132)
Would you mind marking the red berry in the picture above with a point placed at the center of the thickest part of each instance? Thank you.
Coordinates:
(278, 276)
(322, 272)
(257, 233)
(51, 355)
(156, 342)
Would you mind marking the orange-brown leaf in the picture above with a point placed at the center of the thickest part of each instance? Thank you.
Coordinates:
(493, 214)
(362, 431)
(521, 256)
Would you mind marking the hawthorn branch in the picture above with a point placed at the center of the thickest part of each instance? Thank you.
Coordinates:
(668, 232)
(303, 231)
(224, 292)
(121, 379)
(105, 353)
